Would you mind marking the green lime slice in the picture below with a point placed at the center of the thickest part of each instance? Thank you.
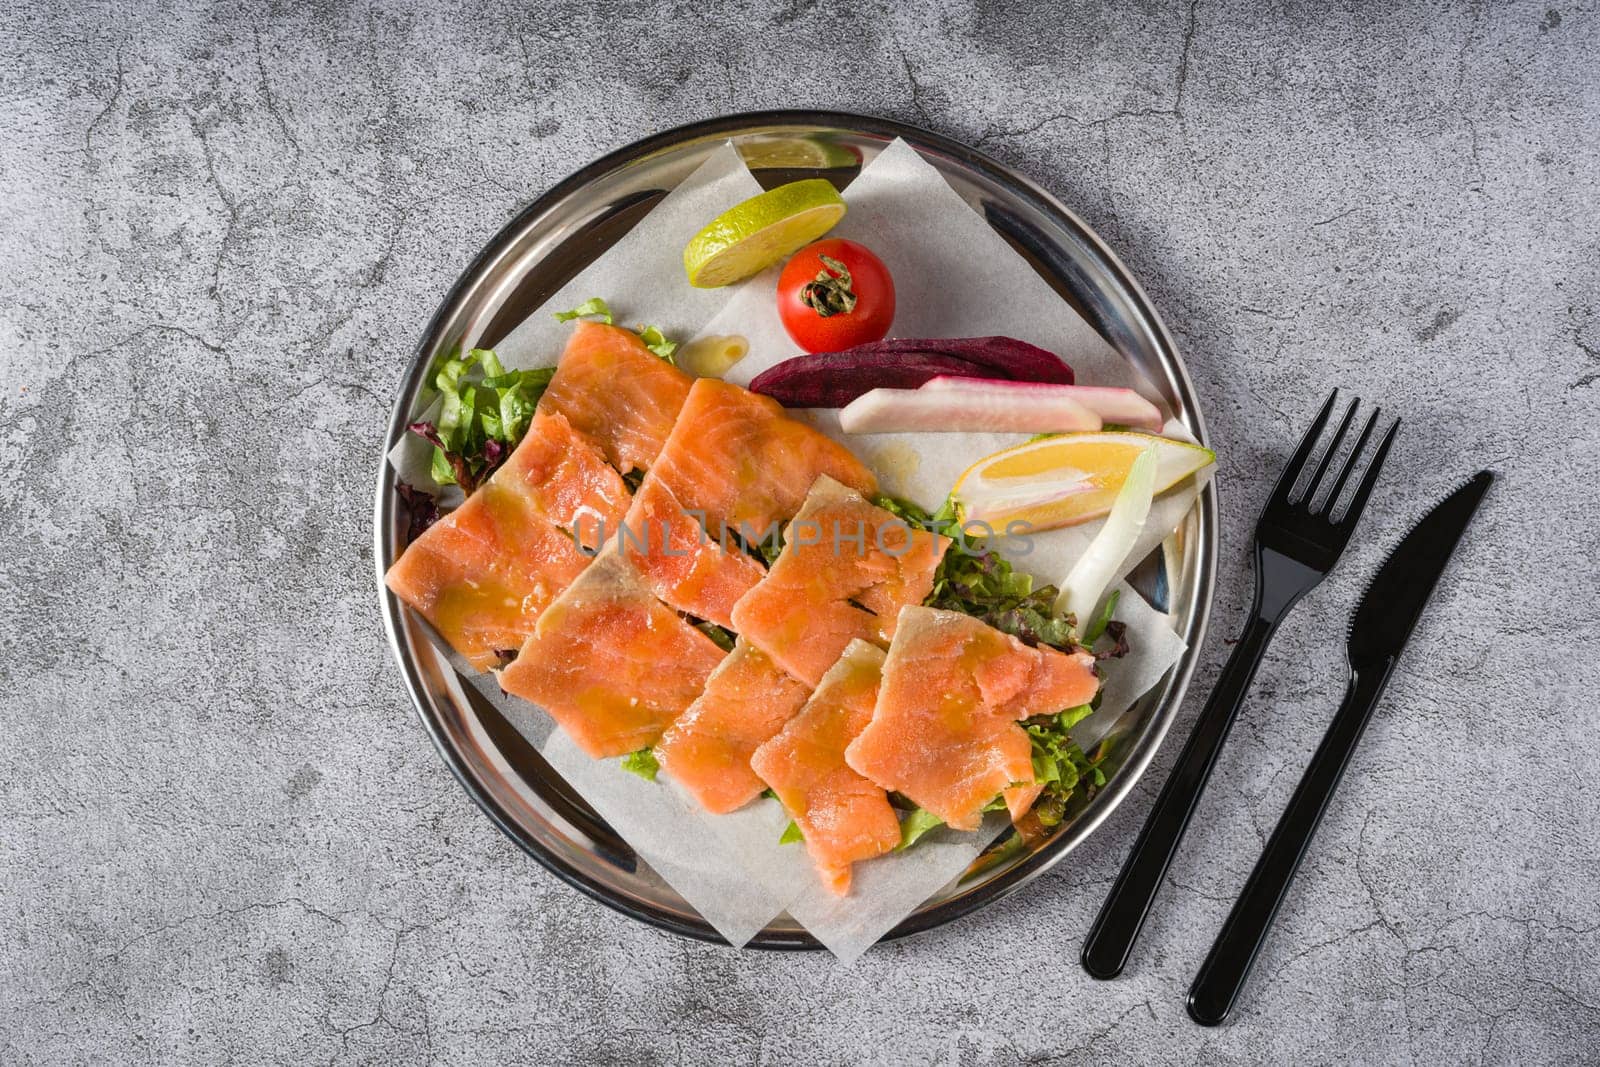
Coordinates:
(751, 236)
(797, 153)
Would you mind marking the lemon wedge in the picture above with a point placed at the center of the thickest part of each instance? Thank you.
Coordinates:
(1069, 478)
(753, 235)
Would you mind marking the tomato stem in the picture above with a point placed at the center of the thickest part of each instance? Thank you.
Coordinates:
(830, 293)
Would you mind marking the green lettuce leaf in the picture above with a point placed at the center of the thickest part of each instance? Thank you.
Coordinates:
(917, 822)
(593, 306)
(1058, 763)
(791, 834)
(722, 638)
(975, 579)
(643, 763)
(1073, 716)
(657, 342)
(484, 410)
(1098, 627)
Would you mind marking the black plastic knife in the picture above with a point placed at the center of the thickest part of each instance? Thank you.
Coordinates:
(1382, 624)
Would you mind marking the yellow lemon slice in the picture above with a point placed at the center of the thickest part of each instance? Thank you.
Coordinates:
(751, 236)
(1067, 479)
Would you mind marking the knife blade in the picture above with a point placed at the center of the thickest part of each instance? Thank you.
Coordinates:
(1389, 610)
(1379, 629)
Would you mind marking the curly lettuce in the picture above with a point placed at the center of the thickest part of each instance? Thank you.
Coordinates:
(484, 410)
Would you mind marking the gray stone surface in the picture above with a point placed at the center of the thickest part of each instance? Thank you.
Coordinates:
(226, 837)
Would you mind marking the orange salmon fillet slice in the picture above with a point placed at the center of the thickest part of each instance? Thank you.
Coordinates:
(616, 393)
(482, 574)
(945, 730)
(846, 570)
(746, 701)
(567, 480)
(844, 817)
(686, 564)
(734, 462)
(740, 458)
(610, 663)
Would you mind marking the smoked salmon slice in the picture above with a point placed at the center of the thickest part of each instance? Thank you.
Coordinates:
(483, 573)
(846, 570)
(734, 464)
(844, 817)
(945, 730)
(616, 393)
(691, 567)
(565, 478)
(610, 663)
(707, 750)
(740, 458)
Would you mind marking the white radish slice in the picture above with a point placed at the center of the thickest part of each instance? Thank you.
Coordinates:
(963, 411)
(1122, 406)
(1083, 589)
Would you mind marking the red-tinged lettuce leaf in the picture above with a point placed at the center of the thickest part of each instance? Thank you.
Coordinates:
(422, 510)
(448, 466)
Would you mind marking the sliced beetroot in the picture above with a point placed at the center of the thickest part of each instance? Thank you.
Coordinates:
(833, 379)
(1003, 357)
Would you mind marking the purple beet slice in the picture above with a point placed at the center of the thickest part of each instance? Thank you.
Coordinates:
(833, 379)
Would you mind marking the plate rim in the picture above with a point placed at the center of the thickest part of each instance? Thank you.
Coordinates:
(920, 139)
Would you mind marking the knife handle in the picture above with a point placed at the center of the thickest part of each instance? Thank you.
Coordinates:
(1227, 966)
(1111, 938)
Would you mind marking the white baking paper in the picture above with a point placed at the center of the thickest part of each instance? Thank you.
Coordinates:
(1153, 647)
(668, 831)
(641, 276)
(850, 925)
(955, 277)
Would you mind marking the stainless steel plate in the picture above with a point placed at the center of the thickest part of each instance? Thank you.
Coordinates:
(562, 232)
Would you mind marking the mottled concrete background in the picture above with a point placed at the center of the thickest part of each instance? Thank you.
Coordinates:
(226, 837)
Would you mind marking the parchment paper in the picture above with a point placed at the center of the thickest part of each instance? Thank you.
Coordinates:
(955, 277)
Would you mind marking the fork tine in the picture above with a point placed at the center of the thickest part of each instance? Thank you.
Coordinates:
(1352, 514)
(1350, 462)
(1327, 456)
(1291, 473)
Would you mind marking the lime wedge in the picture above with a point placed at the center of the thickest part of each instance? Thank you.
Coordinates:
(797, 153)
(751, 236)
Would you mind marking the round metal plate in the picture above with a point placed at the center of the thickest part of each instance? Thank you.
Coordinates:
(564, 230)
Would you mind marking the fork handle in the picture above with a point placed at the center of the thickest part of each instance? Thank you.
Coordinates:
(1111, 938)
(1228, 964)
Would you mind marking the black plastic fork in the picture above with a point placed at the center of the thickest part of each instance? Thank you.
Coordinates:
(1298, 541)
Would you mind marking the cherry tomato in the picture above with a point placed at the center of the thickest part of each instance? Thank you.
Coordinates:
(835, 294)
